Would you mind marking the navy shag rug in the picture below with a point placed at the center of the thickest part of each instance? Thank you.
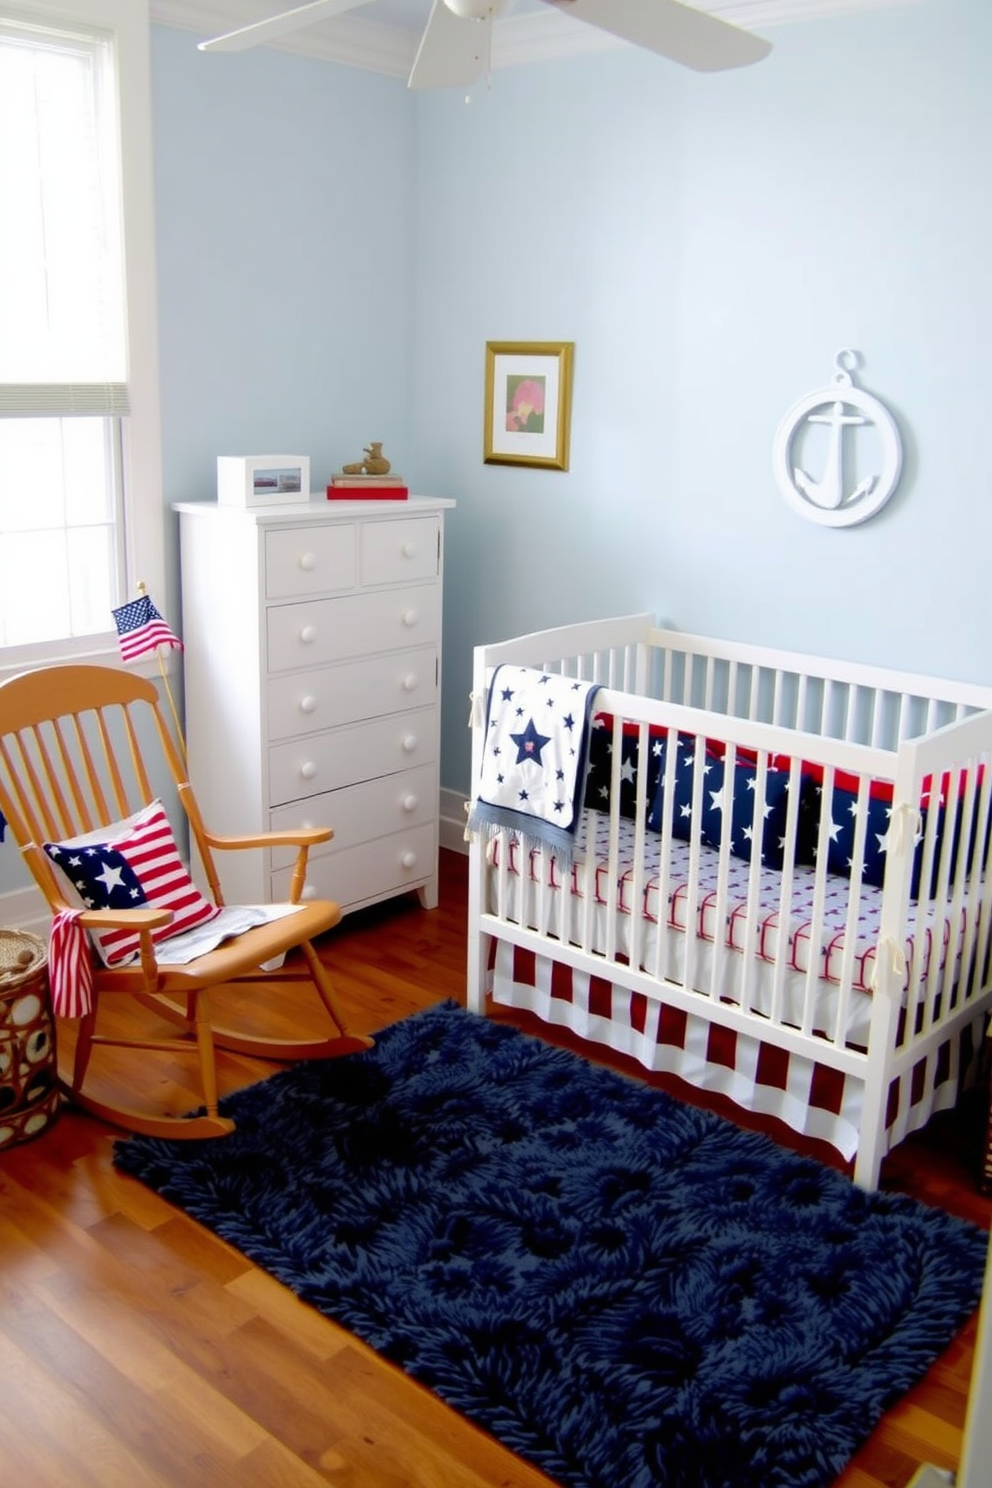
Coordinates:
(624, 1290)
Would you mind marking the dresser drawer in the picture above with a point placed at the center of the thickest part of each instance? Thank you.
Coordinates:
(370, 871)
(307, 702)
(306, 767)
(310, 560)
(359, 813)
(399, 551)
(323, 630)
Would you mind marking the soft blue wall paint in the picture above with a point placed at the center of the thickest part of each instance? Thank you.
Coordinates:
(709, 243)
(284, 188)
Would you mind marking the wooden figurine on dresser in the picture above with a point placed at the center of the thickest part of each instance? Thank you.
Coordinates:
(372, 478)
(313, 691)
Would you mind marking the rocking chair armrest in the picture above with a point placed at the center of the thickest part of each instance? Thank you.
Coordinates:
(125, 919)
(297, 837)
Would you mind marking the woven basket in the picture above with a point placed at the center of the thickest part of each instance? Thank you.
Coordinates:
(29, 1094)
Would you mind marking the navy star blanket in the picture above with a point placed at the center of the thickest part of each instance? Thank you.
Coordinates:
(533, 768)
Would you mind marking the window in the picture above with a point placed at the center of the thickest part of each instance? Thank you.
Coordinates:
(81, 518)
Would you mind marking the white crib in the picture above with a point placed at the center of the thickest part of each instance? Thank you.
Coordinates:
(848, 1001)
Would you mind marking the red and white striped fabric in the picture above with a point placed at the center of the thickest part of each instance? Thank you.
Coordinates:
(70, 969)
(131, 864)
(809, 1097)
(593, 841)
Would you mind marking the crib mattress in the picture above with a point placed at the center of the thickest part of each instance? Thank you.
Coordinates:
(824, 942)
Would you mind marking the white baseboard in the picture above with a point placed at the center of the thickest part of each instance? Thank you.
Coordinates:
(451, 833)
(931, 1477)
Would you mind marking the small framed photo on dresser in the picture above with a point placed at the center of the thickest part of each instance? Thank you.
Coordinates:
(263, 480)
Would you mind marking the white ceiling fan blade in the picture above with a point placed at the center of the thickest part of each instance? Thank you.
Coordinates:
(453, 50)
(672, 29)
(278, 25)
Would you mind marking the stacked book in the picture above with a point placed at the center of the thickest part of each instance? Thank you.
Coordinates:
(390, 487)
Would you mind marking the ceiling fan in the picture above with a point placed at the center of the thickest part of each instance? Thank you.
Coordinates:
(455, 45)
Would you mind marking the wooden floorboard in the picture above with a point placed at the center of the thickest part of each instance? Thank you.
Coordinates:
(137, 1349)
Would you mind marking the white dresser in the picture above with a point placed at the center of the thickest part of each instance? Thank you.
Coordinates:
(312, 684)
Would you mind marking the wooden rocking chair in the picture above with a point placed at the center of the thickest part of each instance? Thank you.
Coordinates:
(79, 749)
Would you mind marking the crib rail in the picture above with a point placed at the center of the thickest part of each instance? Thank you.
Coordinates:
(862, 704)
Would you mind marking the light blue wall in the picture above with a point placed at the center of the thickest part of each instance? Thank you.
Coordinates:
(334, 252)
(284, 190)
(709, 243)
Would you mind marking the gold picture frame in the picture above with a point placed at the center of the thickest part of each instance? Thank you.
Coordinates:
(528, 403)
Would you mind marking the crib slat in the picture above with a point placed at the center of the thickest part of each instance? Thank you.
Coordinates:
(636, 897)
(709, 679)
(667, 947)
(749, 963)
(816, 924)
(783, 950)
(977, 950)
(613, 849)
(839, 1032)
(723, 961)
(690, 978)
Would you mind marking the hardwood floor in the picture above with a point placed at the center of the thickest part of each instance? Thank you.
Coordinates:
(138, 1350)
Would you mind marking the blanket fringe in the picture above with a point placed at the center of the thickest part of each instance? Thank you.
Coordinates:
(481, 824)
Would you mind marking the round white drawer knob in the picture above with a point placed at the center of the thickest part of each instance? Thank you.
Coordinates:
(309, 892)
(409, 860)
(410, 682)
(409, 550)
(308, 704)
(308, 634)
(409, 743)
(308, 769)
(410, 802)
(410, 617)
(308, 561)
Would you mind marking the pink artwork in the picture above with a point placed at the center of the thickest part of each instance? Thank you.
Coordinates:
(525, 405)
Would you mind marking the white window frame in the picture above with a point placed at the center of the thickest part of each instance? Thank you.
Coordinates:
(144, 514)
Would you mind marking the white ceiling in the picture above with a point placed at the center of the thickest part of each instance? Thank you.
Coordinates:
(382, 35)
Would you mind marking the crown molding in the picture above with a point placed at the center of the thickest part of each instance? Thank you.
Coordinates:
(537, 36)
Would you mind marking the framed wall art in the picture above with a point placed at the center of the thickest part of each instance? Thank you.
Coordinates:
(528, 403)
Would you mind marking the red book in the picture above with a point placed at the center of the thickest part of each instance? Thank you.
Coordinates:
(359, 491)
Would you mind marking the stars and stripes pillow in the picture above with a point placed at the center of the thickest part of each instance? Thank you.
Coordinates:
(844, 816)
(132, 864)
(598, 774)
(721, 810)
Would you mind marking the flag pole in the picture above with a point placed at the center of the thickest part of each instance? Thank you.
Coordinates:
(168, 690)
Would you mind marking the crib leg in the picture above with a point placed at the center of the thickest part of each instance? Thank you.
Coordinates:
(478, 944)
(868, 1162)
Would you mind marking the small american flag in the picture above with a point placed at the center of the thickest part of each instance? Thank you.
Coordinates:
(140, 628)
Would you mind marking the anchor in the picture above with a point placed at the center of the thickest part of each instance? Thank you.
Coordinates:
(825, 500)
(828, 493)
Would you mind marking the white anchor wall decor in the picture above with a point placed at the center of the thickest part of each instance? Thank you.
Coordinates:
(827, 500)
